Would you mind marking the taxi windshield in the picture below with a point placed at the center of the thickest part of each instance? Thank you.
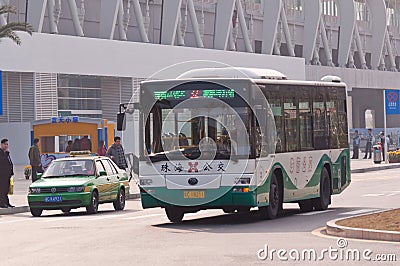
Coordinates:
(67, 168)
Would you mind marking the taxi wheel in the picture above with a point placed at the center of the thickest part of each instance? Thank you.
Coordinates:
(174, 214)
(119, 203)
(36, 212)
(66, 210)
(94, 203)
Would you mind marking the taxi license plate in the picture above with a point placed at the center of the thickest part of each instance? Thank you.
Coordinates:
(53, 199)
(193, 194)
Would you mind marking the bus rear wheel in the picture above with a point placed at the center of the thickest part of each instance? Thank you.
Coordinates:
(174, 214)
(322, 202)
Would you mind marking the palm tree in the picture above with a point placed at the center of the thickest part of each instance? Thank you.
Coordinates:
(8, 30)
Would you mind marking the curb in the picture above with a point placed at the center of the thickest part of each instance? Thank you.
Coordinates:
(376, 168)
(14, 210)
(22, 209)
(360, 233)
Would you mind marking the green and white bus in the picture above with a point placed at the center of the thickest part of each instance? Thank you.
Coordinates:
(213, 139)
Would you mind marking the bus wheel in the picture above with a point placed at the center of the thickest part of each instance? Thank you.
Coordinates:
(275, 200)
(324, 199)
(174, 214)
(228, 210)
(306, 205)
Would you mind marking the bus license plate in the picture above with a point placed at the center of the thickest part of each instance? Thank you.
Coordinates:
(193, 194)
(53, 199)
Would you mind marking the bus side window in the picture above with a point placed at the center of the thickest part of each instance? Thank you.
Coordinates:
(319, 119)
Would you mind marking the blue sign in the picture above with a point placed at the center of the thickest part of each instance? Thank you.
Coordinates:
(65, 119)
(392, 100)
(1, 92)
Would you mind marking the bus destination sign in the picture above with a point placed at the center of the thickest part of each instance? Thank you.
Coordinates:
(193, 94)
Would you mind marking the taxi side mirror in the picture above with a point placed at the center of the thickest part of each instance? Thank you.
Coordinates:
(39, 175)
(102, 173)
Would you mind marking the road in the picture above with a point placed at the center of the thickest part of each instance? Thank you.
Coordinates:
(145, 237)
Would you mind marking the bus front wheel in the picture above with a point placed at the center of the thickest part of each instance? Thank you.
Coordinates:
(324, 199)
(275, 200)
(174, 214)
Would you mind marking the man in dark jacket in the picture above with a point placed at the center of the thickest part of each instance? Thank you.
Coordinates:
(6, 171)
(116, 153)
(34, 159)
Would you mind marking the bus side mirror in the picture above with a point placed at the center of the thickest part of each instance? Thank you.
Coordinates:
(121, 122)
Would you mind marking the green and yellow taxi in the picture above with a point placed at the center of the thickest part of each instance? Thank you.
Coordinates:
(79, 181)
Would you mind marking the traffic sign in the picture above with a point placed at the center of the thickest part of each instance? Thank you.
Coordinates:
(392, 99)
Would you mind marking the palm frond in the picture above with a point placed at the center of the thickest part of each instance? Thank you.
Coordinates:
(17, 26)
(8, 9)
(8, 30)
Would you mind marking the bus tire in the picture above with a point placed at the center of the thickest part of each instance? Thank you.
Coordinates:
(275, 200)
(174, 214)
(322, 202)
(306, 205)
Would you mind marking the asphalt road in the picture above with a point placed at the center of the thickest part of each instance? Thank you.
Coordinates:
(146, 237)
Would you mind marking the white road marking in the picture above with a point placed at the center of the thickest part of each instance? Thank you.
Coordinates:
(358, 212)
(314, 213)
(143, 216)
(372, 195)
(391, 194)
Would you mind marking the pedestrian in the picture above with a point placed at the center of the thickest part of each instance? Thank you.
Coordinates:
(356, 144)
(76, 145)
(85, 144)
(116, 153)
(69, 146)
(382, 139)
(6, 172)
(34, 159)
(102, 150)
(368, 146)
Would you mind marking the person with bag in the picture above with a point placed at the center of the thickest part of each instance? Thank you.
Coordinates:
(117, 154)
(34, 159)
(6, 172)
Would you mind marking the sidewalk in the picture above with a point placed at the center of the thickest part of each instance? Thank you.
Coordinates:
(21, 185)
(367, 165)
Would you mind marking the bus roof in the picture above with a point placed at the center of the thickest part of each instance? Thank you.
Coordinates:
(256, 75)
(233, 72)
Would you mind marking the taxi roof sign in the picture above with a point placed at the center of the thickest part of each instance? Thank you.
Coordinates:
(79, 153)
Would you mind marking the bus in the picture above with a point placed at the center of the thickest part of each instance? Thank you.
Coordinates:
(239, 138)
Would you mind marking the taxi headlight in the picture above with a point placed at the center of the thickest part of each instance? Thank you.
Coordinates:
(75, 189)
(34, 190)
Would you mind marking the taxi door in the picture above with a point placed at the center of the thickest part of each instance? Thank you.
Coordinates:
(102, 182)
(113, 178)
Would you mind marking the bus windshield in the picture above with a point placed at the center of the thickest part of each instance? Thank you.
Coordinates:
(194, 131)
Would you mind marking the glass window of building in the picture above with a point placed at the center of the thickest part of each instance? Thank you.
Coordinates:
(79, 96)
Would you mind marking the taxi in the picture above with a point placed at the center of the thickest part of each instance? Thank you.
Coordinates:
(79, 181)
